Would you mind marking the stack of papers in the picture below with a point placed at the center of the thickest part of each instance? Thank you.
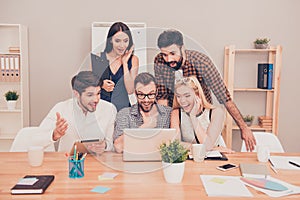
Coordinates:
(107, 176)
(282, 162)
(227, 186)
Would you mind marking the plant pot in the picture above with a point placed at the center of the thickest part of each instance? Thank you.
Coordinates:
(11, 104)
(261, 46)
(173, 172)
(249, 123)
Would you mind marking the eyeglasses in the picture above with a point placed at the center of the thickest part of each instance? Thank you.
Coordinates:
(143, 96)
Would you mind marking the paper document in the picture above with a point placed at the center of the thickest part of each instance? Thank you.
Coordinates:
(282, 162)
(227, 186)
(292, 189)
(213, 154)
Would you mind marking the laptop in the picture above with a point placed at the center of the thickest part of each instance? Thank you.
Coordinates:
(141, 144)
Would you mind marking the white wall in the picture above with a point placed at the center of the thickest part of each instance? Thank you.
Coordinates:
(60, 39)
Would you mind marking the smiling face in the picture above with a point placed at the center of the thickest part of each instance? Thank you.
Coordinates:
(120, 43)
(186, 97)
(89, 99)
(172, 55)
(146, 96)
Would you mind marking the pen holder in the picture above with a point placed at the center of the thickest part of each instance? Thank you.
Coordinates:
(76, 168)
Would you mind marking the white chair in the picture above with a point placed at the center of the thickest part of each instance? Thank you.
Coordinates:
(30, 136)
(268, 139)
(220, 142)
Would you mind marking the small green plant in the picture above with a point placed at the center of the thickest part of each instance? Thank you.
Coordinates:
(248, 118)
(173, 152)
(11, 96)
(261, 41)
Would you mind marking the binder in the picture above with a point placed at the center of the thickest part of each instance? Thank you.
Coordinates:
(270, 77)
(265, 76)
(10, 68)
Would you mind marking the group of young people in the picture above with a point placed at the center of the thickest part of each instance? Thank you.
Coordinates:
(178, 95)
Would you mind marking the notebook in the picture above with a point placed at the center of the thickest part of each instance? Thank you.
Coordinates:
(254, 170)
(143, 144)
(32, 184)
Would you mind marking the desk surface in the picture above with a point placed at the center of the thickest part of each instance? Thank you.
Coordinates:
(149, 185)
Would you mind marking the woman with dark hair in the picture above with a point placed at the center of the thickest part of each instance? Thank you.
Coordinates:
(117, 66)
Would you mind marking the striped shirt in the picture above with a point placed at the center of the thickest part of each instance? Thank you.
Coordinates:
(131, 117)
(196, 64)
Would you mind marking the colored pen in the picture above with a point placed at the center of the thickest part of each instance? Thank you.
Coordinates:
(293, 163)
(75, 148)
(84, 155)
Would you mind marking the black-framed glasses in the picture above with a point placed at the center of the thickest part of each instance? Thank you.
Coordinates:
(143, 96)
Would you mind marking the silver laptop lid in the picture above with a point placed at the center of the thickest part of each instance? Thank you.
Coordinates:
(143, 144)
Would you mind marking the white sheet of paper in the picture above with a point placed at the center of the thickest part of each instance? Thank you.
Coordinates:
(27, 181)
(282, 162)
(226, 186)
(211, 154)
(292, 188)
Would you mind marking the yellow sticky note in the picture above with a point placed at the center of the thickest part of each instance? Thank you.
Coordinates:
(218, 180)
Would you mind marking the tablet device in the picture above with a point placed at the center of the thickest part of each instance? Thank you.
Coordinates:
(81, 146)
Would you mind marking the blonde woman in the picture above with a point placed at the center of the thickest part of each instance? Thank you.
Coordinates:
(196, 119)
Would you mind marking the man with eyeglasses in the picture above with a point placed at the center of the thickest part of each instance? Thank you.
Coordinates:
(173, 58)
(146, 113)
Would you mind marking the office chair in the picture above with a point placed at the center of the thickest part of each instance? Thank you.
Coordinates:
(268, 139)
(30, 136)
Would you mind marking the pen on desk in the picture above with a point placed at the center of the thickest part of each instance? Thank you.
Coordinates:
(293, 163)
(272, 167)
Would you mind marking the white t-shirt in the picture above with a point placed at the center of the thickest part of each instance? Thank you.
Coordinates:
(93, 125)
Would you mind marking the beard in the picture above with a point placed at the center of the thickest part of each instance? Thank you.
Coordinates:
(144, 110)
(178, 64)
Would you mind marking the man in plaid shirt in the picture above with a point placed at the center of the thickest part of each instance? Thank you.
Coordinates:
(173, 58)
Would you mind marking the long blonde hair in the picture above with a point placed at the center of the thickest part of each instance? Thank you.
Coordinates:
(193, 83)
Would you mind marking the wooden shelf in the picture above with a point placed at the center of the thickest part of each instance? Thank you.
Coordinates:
(6, 136)
(272, 49)
(252, 90)
(252, 127)
(272, 55)
(3, 110)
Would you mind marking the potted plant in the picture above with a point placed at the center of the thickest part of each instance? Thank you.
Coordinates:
(248, 119)
(173, 155)
(261, 43)
(11, 99)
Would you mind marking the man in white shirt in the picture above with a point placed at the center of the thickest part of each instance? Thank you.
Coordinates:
(83, 117)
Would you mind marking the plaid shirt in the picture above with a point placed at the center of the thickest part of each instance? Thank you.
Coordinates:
(196, 64)
(131, 117)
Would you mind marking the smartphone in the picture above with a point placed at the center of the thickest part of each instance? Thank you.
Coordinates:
(227, 167)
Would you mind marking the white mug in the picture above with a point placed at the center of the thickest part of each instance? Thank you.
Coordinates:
(35, 155)
(263, 153)
(199, 152)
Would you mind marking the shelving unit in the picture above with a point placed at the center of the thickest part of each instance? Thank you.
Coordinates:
(14, 76)
(272, 55)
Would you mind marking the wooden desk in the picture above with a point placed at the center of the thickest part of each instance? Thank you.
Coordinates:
(152, 185)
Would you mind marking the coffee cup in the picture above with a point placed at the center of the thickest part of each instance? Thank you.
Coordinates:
(35, 155)
(199, 151)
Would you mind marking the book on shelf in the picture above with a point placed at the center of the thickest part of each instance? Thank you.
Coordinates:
(32, 184)
(14, 49)
(254, 170)
(265, 76)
